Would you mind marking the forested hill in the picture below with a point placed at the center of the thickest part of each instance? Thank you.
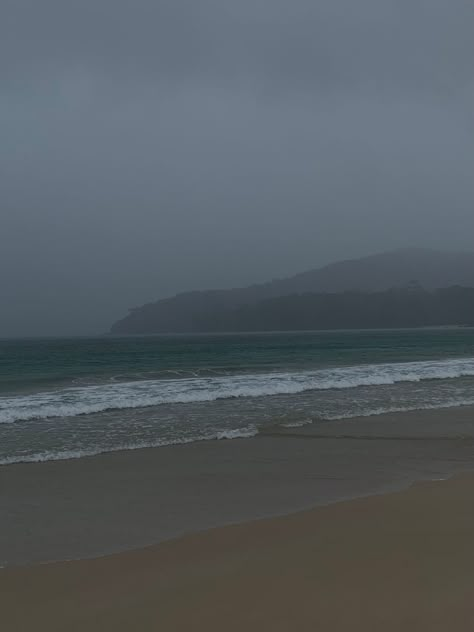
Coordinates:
(379, 291)
(409, 307)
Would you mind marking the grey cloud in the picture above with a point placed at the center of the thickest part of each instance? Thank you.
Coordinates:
(416, 43)
(152, 147)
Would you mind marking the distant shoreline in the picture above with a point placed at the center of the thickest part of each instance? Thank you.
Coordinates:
(230, 333)
(287, 331)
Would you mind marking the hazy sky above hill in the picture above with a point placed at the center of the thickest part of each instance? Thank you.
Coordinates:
(154, 146)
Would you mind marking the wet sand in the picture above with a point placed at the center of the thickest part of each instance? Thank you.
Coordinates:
(115, 502)
(400, 561)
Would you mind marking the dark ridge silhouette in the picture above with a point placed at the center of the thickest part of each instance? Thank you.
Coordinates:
(394, 289)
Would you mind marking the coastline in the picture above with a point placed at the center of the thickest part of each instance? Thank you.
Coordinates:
(85, 508)
(395, 561)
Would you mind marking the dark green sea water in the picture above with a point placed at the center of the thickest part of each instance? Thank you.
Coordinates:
(63, 398)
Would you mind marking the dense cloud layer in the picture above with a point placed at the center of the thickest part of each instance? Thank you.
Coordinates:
(150, 147)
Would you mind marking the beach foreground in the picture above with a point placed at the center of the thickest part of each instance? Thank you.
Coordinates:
(400, 561)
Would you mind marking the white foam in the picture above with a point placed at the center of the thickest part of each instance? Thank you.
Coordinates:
(375, 412)
(227, 434)
(237, 433)
(83, 400)
(65, 455)
(297, 424)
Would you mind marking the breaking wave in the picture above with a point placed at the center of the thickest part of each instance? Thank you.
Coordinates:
(83, 400)
(65, 455)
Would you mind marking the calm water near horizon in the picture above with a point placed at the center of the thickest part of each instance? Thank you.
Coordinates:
(67, 398)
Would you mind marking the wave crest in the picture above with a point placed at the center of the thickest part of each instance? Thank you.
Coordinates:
(84, 400)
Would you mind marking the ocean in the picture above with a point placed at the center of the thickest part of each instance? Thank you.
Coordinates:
(72, 398)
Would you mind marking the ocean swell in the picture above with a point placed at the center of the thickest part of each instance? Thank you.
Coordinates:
(83, 400)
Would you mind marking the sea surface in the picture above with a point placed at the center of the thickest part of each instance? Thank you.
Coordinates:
(70, 398)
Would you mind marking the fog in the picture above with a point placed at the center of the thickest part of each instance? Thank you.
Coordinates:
(153, 147)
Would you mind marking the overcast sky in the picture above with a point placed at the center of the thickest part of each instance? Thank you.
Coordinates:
(153, 146)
